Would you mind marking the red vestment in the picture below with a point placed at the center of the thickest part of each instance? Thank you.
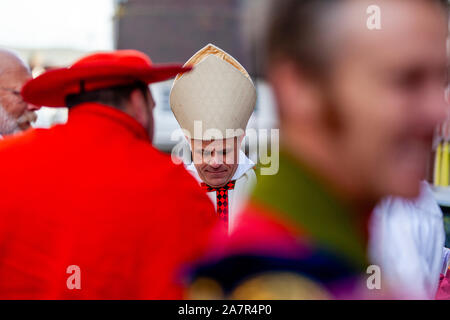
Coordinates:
(96, 194)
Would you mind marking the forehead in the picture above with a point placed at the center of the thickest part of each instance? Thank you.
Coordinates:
(15, 76)
(214, 144)
(413, 30)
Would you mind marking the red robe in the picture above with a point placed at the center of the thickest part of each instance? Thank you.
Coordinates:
(443, 292)
(94, 193)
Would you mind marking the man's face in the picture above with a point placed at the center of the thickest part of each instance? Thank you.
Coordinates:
(388, 88)
(216, 161)
(14, 109)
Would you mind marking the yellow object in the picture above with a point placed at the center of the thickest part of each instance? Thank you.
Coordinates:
(445, 165)
(205, 289)
(437, 165)
(280, 286)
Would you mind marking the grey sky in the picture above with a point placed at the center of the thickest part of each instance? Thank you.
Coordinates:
(72, 24)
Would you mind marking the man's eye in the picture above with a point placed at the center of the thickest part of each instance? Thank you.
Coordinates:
(411, 80)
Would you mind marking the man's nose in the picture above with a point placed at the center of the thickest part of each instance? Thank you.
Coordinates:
(214, 161)
(32, 107)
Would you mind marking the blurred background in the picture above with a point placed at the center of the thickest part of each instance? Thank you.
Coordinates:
(54, 33)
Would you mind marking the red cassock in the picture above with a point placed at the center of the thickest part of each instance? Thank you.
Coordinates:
(95, 194)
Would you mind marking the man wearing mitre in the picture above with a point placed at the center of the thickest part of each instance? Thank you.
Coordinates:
(213, 104)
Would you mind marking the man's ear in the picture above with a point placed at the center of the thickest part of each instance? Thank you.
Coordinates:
(297, 95)
(138, 108)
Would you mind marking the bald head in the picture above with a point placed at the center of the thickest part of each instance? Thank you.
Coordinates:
(312, 32)
(357, 103)
(15, 114)
(11, 63)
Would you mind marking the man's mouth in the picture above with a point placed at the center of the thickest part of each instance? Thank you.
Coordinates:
(216, 171)
(26, 119)
(217, 174)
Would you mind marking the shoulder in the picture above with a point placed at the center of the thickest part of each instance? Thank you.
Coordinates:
(178, 183)
(21, 150)
(426, 202)
(14, 142)
(421, 213)
(185, 180)
(247, 180)
(250, 176)
(259, 229)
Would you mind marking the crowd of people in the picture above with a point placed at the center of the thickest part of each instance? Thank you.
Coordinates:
(90, 209)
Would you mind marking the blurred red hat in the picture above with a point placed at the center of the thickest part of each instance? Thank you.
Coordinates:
(93, 72)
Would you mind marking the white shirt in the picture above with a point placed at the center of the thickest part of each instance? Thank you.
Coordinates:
(407, 238)
(445, 261)
(245, 180)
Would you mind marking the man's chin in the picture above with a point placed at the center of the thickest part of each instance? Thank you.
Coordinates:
(410, 191)
(24, 122)
(406, 177)
(217, 182)
(406, 187)
(24, 126)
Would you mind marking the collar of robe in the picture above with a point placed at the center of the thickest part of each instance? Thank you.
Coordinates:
(103, 113)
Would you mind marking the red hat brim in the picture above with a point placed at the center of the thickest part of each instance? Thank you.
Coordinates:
(52, 87)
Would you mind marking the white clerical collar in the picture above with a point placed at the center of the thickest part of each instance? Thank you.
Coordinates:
(245, 164)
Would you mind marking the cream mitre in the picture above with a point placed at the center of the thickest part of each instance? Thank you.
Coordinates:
(216, 98)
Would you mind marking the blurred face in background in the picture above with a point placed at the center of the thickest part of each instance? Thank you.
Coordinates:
(382, 98)
(15, 114)
(216, 161)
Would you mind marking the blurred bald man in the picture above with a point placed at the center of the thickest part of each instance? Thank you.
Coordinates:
(15, 114)
(357, 109)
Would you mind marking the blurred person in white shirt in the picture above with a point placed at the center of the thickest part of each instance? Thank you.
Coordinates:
(407, 241)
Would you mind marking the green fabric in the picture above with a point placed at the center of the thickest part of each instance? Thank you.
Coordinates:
(298, 198)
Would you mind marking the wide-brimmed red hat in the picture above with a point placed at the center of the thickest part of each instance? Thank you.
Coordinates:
(93, 72)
